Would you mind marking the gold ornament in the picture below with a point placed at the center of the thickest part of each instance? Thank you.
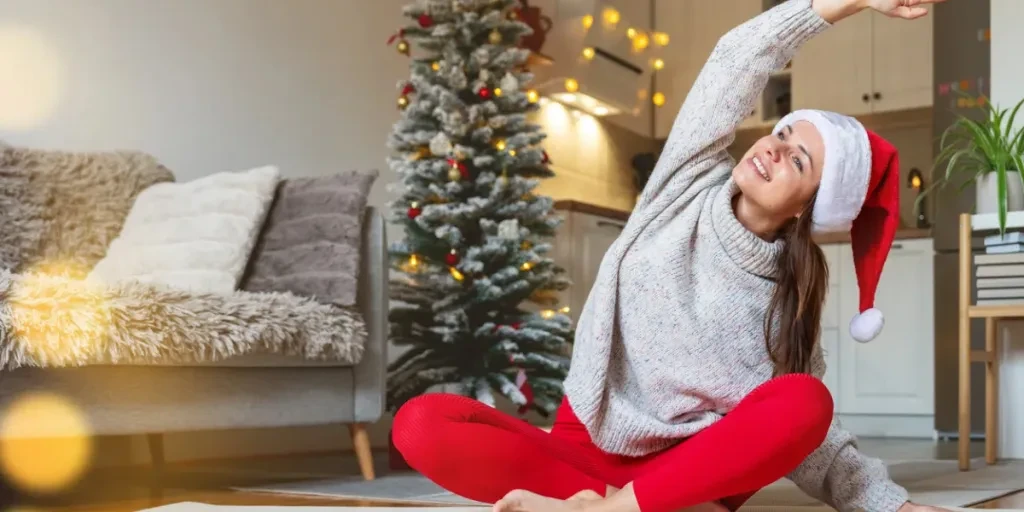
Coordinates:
(436, 66)
(403, 102)
(500, 145)
(494, 37)
(497, 91)
(526, 245)
(454, 174)
(422, 152)
(403, 47)
(526, 266)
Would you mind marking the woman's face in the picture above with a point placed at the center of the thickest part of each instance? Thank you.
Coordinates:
(781, 172)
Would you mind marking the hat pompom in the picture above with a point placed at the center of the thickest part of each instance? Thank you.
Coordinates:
(866, 326)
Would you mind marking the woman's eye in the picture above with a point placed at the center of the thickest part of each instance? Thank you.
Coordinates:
(799, 165)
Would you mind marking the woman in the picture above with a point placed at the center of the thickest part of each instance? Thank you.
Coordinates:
(695, 378)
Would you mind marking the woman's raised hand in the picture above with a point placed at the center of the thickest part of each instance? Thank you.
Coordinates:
(906, 9)
(835, 10)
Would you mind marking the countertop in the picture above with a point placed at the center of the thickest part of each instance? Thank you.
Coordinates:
(904, 233)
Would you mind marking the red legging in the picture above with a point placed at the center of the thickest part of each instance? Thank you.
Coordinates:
(480, 453)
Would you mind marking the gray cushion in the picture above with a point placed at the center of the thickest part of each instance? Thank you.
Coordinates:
(310, 242)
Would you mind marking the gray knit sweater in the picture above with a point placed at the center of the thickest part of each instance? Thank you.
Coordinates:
(671, 337)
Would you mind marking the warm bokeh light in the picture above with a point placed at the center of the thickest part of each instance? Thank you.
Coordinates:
(658, 64)
(32, 80)
(641, 41)
(571, 85)
(588, 53)
(532, 96)
(631, 32)
(658, 99)
(588, 21)
(611, 16)
(45, 443)
(661, 39)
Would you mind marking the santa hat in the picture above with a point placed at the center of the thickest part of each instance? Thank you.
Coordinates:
(859, 193)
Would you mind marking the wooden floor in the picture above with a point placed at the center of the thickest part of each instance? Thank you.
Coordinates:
(133, 489)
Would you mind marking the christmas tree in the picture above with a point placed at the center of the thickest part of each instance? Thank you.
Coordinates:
(474, 307)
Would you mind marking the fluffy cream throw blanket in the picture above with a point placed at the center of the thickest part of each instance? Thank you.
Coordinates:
(58, 213)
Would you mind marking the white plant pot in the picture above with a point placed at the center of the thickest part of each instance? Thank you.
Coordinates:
(986, 189)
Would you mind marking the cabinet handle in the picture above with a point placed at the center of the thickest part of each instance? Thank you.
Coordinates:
(878, 96)
(866, 97)
(606, 224)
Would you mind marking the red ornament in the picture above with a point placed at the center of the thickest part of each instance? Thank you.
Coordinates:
(408, 89)
(463, 172)
(414, 212)
(517, 325)
(452, 258)
(484, 93)
(425, 20)
(546, 159)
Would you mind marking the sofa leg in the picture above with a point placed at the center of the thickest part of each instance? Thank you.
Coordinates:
(361, 443)
(156, 457)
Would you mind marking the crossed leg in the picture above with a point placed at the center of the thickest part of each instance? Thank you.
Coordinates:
(482, 454)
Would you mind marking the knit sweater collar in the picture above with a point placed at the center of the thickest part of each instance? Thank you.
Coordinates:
(749, 251)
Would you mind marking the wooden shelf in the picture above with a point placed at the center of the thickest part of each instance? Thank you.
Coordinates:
(999, 311)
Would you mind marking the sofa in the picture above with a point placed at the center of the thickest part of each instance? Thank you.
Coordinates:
(137, 358)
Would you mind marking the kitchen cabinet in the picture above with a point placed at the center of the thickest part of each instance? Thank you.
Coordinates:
(884, 387)
(694, 28)
(868, 63)
(579, 246)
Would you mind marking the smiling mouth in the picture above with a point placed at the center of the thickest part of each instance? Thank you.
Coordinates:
(759, 167)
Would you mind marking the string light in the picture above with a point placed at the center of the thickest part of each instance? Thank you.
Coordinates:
(588, 53)
(641, 41)
(414, 261)
(436, 66)
(661, 38)
(511, 152)
(658, 64)
(533, 96)
(500, 145)
(611, 16)
(631, 32)
(571, 85)
(456, 274)
(547, 313)
(658, 99)
(526, 266)
(588, 21)
(566, 310)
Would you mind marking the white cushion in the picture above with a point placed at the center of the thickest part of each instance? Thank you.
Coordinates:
(194, 236)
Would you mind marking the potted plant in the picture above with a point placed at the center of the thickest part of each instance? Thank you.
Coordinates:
(988, 153)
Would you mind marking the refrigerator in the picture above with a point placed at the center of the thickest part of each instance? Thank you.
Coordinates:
(961, 53)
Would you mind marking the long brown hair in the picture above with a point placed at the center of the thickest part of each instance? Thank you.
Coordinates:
(794, 315)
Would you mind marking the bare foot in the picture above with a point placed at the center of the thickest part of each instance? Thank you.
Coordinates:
(587, 495)
(713, 506)
(525, 501)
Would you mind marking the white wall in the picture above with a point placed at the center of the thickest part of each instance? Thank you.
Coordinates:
(206, 86)
(1007, 90)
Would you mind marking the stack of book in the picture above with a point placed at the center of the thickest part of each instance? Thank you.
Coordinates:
(1000, 271)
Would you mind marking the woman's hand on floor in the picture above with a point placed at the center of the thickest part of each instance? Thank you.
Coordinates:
(913, 507)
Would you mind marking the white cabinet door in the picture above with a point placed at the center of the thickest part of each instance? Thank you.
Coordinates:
(579, 246)
(833, 71)
(902, 63)
(892, 374)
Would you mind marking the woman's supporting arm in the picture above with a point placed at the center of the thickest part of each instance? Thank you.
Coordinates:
(840, 475)
(726, 91)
